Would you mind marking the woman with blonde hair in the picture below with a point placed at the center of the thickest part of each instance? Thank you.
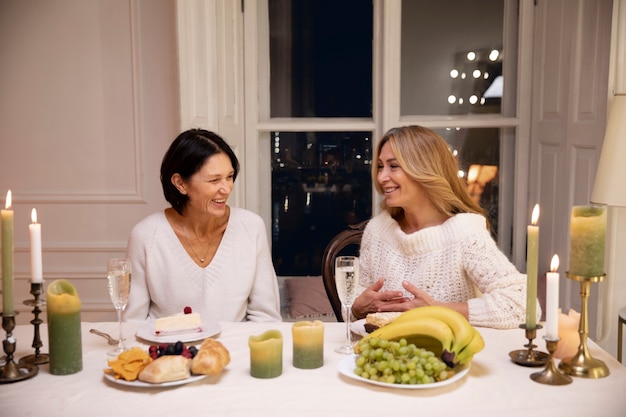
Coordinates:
(431, 244)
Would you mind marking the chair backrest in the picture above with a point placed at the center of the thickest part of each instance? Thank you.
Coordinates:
(347, 242)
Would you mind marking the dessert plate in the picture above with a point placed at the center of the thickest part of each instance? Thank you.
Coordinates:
(346, 367)
(146, 332)
(358, 327)
(141, 384)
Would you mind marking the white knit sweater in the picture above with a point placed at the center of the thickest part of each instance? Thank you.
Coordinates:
(457, 261)
(239, 283)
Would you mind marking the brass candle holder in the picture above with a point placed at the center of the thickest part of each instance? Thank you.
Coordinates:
(550, 374)
(582, 363)
(529, 356)
(11, 371)
(36, 289)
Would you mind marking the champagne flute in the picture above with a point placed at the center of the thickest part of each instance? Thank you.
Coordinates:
(346, 280)
(118, 276)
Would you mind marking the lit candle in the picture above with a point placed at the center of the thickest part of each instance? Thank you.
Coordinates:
(587, 236)
(532, 254)
(266, 354)
(308, 344)
(552, 300)
(36, 274)
(7, 258)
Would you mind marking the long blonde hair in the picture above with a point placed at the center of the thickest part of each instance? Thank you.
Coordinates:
(426, 158)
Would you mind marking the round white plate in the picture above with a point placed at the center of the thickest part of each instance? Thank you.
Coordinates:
(346, 367)
(146, 332)
(141, 384)
(358, 327)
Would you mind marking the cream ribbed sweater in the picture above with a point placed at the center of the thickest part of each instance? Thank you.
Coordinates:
(456, 261)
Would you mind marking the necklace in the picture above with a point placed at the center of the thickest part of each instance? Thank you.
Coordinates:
(200, 258)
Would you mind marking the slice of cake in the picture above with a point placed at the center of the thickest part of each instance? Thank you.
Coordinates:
(374, 321)
(186, 322)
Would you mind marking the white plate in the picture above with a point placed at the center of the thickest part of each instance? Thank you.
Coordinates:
(346, 367)
(358, 327)
(146, 332)
(141, 384)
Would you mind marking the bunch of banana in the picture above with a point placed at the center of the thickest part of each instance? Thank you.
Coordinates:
(441, 330)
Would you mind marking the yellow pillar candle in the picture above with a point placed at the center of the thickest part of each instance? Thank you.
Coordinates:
(64, 336)
(308, 344)
(587, 237)
(7, 257)
(266, 354)
(532, 255)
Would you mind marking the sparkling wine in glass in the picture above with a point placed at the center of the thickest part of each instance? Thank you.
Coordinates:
(118, 276)
(346, 280)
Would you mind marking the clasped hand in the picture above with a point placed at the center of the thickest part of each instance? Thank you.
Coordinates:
(373, 300)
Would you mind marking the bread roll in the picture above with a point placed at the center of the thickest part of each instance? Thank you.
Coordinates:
(165, 369)
(211, 358)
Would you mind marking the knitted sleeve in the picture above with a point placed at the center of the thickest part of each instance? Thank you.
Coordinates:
(264, 300)
(503, 288)
(140, 238)
(366, 276)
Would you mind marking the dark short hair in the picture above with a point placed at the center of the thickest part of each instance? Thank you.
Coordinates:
(186, 155)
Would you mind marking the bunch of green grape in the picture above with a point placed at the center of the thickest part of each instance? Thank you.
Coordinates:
(399, 362)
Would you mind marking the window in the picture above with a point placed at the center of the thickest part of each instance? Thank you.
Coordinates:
(334, 76)
(320, 66)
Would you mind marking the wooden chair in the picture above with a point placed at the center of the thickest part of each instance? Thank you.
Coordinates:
(347, 242)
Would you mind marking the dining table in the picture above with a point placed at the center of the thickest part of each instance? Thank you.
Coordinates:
(493, 386)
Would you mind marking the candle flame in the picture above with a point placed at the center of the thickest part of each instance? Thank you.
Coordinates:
(554, 265)
(33, 216)
(8, 202)
(535, 215)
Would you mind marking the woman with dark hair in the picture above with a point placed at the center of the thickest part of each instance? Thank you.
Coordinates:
(431, 244)
(201, 252)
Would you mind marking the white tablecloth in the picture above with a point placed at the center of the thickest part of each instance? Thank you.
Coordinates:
(494, 386)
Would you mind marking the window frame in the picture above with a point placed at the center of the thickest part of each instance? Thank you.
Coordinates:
(514, 118)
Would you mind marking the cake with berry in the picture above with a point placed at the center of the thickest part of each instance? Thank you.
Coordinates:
(185, 322)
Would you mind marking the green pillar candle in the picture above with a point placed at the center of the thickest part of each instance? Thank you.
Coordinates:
(64, 336)
(587, 239)
(266, 354)
(7, 258)
(308, 344)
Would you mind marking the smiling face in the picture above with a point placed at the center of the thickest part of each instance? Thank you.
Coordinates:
(209, 188)
(398, 188)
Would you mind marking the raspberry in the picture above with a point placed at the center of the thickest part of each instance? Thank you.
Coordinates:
(187, 310)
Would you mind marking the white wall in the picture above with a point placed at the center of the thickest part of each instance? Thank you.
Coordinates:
(88, 106)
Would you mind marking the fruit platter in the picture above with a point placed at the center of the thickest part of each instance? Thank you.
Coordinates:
(424, 347)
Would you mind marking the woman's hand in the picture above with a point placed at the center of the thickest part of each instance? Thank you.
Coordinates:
(372, 300)
(422, 298)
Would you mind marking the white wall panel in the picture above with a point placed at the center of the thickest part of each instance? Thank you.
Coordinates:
(88, 106)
